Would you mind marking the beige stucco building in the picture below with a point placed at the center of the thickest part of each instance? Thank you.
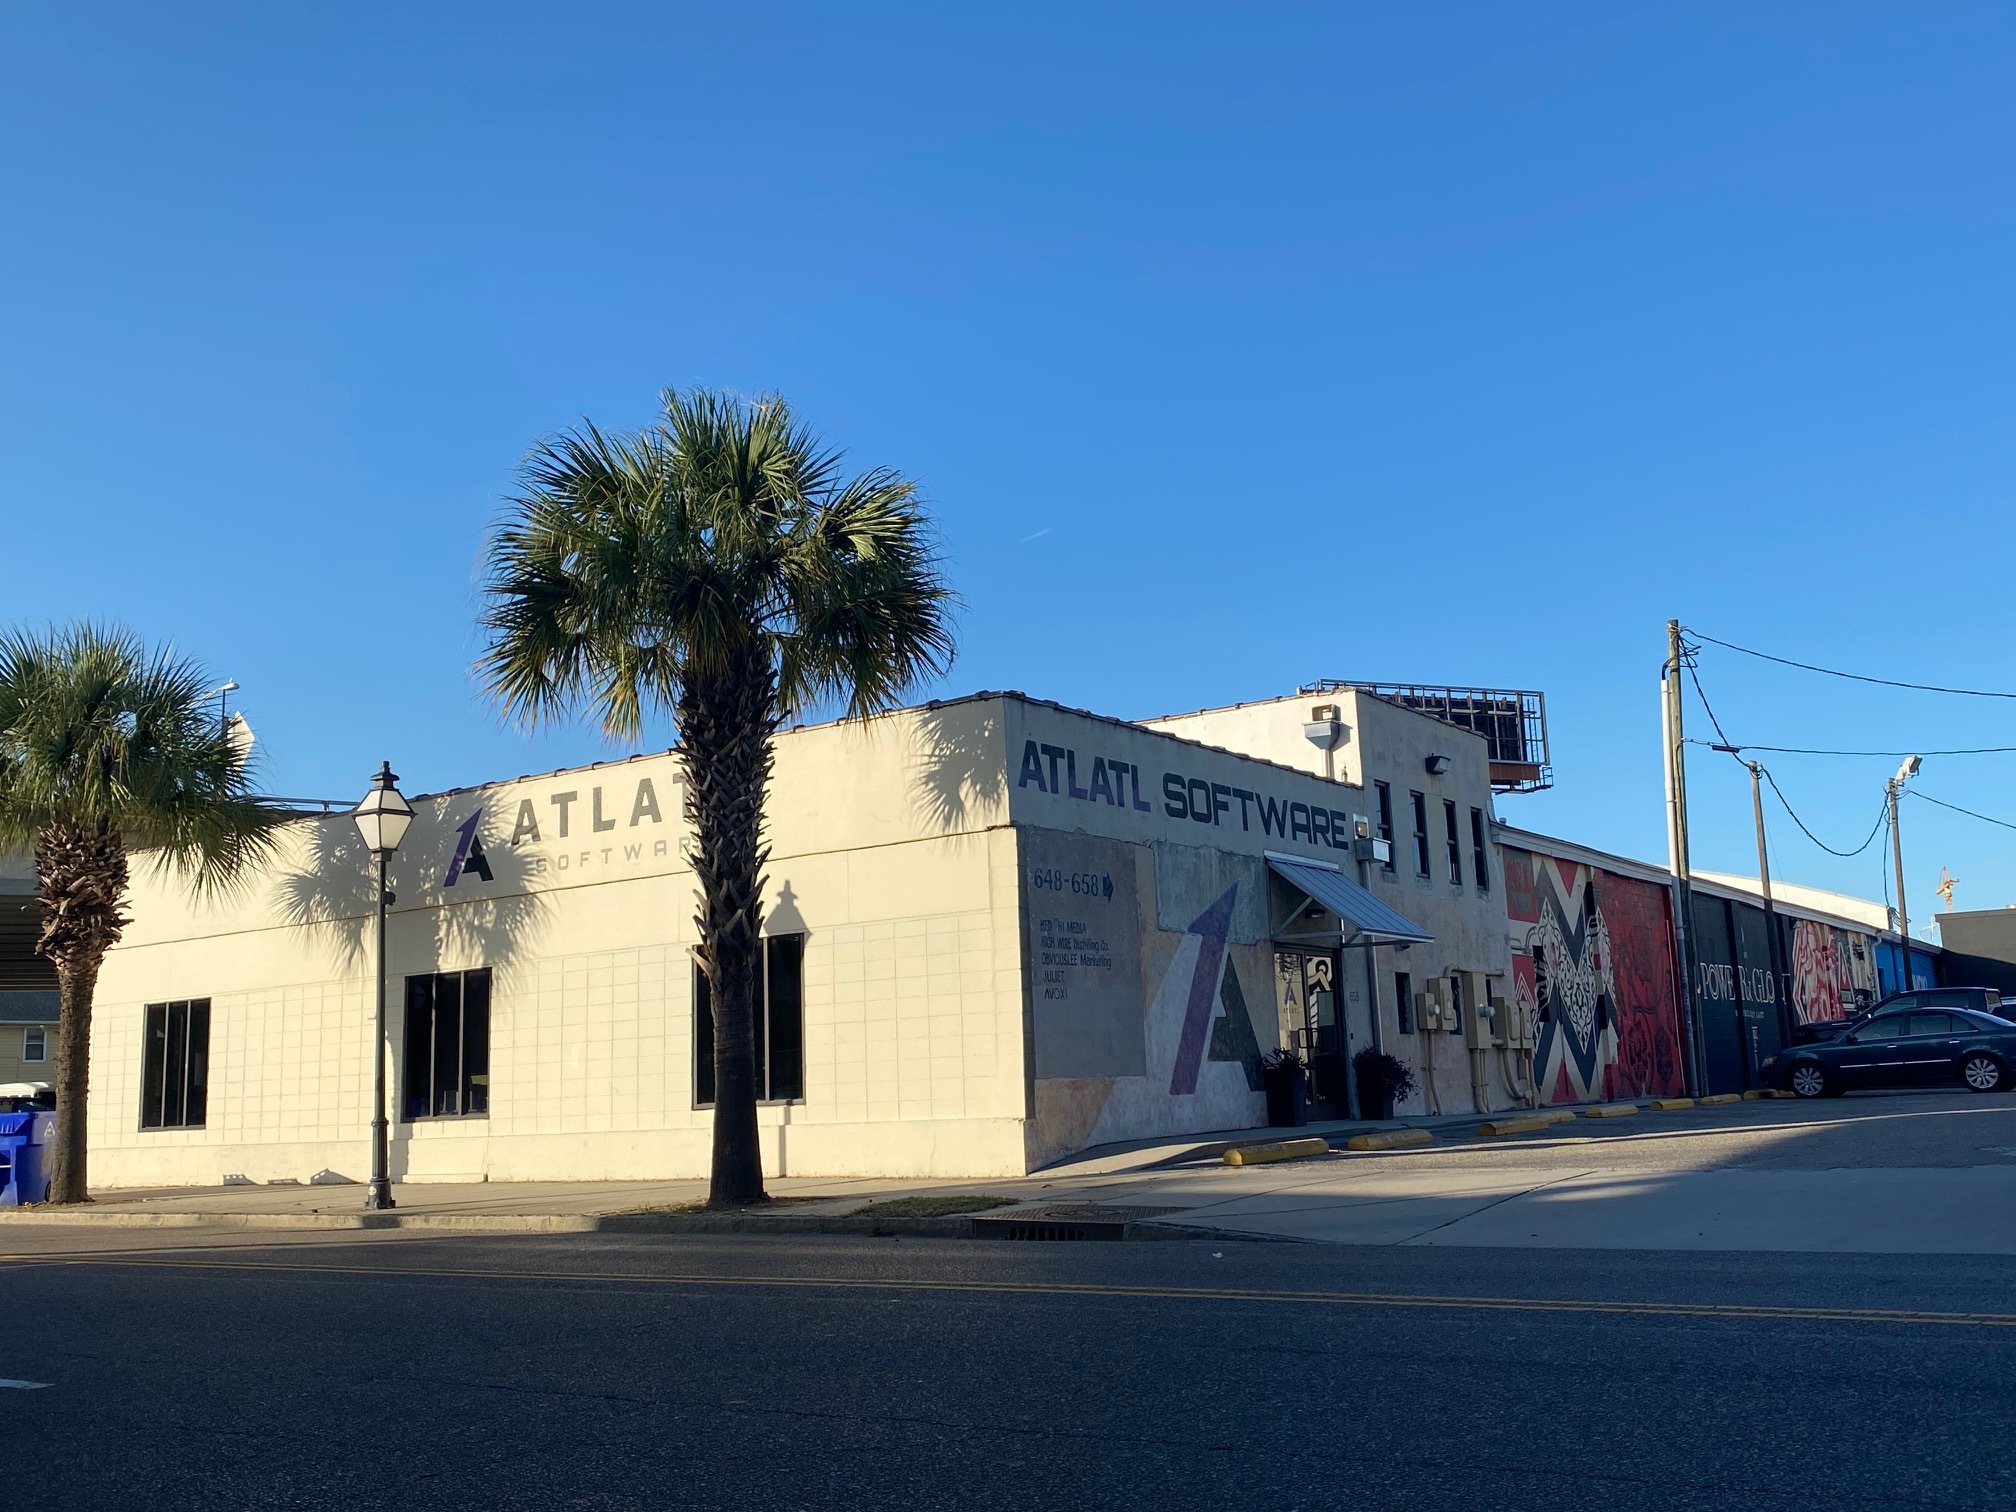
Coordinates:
(1001, 931)
(1428, 788)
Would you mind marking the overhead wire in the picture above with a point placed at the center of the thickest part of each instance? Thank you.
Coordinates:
(1882, 818)
(1733, 751)
(1886, 682)
(1942, 803)
(1896, 755)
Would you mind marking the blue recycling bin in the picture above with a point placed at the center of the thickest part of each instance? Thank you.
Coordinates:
(24, 1150)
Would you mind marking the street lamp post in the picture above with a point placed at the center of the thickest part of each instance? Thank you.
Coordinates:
(382, 816)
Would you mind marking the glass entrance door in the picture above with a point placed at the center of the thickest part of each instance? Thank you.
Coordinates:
(1312, 1025)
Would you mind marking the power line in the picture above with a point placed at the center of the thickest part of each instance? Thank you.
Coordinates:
(1889, 907)
(1731, 748)
(1708, 708)
(1882, 818)
(1886, 682)
(1942, 803)
(1896, 755)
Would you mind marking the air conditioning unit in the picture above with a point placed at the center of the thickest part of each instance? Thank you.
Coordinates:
(1372, 850)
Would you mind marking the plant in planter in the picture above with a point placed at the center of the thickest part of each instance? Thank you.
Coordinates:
(1286, 1077)
(1383, 1080)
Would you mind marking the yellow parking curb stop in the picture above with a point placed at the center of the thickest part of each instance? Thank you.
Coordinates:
(1611, 1110)
(1670, 1104)
(1392, 1139)
(1286, 1149)
(1516, 1125)
(1720, 1097)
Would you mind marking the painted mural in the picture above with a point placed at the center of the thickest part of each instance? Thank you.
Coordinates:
(1196, 1040)
(1592, 968)
(1832, 971)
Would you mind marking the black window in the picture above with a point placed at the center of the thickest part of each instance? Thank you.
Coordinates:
(1403, 998)
(1939, 1023)
(1953, 997)
(446, 1072)
(1385, 793)
(175, 1079)
(1420, 802)
(1455, 841)
(1480, 851)
(34, 1044)
(780, 1025)
(1890, 1026)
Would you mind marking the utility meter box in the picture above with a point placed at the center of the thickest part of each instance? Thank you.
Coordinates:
(1433, 1001)
(1480, 1029)
(1426, 1015)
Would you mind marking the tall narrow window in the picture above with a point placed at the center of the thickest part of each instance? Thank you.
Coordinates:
(35, 1044)
(779, 1027)
(1455, 841)
(1480, 851)
(446, 1071)
(1420, 800)
(175, 1071)
(1403, 998)
(1384, 790)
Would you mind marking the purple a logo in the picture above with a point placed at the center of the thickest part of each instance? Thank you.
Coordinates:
(469, 855)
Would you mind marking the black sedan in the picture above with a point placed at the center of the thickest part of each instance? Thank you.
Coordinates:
(1918, 1047)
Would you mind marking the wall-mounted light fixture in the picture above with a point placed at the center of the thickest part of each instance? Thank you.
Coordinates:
(1323, 728)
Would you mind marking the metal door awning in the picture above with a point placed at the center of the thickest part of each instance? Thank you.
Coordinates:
(1374, 922)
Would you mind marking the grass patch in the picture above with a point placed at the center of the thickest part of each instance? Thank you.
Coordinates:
(775, 1204)
(932, 1207)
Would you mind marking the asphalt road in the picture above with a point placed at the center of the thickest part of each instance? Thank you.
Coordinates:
(594, 1371)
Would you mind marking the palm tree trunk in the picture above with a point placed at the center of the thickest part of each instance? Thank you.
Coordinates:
(725, 729)
(69, 1176)
(81, 875)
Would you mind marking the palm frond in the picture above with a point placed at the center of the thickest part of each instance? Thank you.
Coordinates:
(627, 568)
(99, 734)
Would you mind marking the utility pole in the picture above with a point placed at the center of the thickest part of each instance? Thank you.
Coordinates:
(1893, 787)
(1676, 846)
(1779, 994)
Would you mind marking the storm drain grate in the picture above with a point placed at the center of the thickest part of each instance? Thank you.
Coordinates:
(1067, 1221)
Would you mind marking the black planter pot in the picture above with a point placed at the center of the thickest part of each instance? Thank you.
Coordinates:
(1287, 1098)
(1374, 1100)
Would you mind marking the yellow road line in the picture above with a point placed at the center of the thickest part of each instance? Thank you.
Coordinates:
(1088, 1289)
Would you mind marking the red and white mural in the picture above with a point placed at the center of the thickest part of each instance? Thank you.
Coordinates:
(1592, 967)
(1833, 972)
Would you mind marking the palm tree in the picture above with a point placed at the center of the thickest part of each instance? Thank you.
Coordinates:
(717, 565)
(108, 750)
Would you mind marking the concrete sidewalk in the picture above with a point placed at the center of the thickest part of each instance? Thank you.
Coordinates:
(1915, 1173)
(553, 1206)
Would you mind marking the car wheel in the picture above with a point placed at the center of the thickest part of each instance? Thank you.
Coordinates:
(1809, 1080)
(1983, 1073)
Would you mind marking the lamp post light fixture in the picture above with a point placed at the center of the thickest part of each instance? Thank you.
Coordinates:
(382, 817)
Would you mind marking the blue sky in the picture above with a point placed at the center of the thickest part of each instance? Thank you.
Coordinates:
(1235, 347)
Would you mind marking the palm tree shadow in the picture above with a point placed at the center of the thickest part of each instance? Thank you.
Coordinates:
(328, 889)
(962, 774)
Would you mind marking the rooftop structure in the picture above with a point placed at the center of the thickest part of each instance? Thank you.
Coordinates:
(1513, 723)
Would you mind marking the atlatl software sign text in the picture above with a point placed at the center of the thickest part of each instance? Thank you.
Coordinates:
(1058, 770)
